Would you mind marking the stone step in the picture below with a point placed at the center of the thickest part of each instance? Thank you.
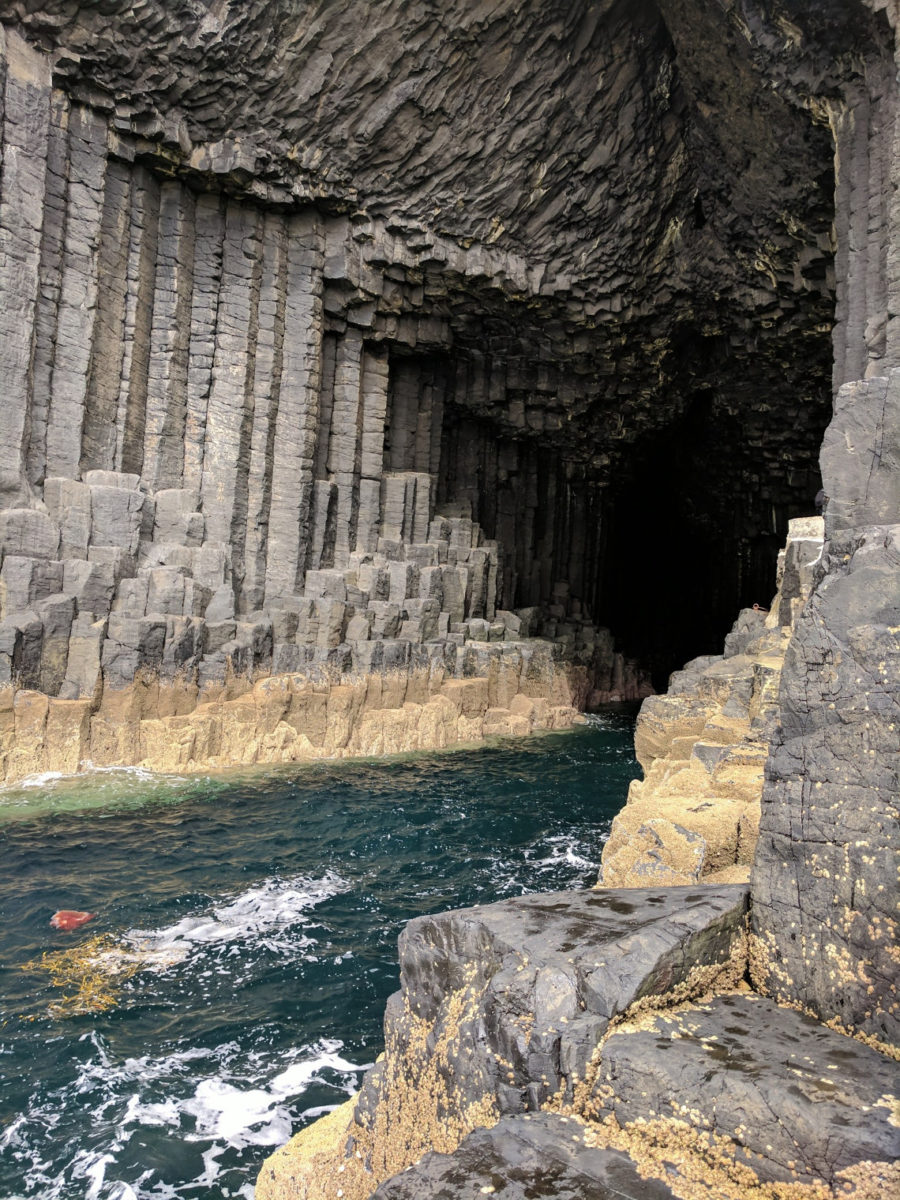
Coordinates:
(766, 1087)
(540, 1155)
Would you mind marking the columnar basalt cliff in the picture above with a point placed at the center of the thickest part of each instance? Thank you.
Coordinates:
(493, 1023)
(345, 348)
(326, 355)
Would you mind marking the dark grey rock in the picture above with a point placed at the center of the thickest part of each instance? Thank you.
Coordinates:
(116, 516)
(83, 673)
(26, 532)
(24, 581)
(93, 585)
(800, 1101)
(861, 456)
(56, 614)
(525, 1158)
(746, 628)
(221, 606)
(69, 504)
(825, 875)
(550, 971)
(201, 322)
(21, 639)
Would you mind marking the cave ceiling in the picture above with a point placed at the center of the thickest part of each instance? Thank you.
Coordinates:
(661, 172)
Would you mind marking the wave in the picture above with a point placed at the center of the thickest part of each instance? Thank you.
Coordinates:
(564, 849)
(88, 770)
(268, 914)
(214, 1099)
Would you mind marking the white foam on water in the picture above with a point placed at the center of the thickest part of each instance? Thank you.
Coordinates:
(268, 914)
(219, 1099)
(564, 850)
(94, 787)
(237, 1116)
(42, 780)
(299, 1076)
(46, 778)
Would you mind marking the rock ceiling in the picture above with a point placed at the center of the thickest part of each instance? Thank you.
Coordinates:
(661, 171)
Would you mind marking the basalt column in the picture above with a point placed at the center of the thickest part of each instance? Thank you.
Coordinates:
(825, 877)
(328, 363)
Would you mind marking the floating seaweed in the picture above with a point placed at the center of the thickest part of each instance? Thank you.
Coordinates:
(94, 972)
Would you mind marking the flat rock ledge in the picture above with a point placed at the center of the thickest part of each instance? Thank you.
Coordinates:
(757, 1086)
(599, 1045)
(728, 1099)
(500, 1012)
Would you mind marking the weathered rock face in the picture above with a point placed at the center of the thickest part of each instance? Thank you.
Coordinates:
(500, 1011)
(800, 1102)
(303, 354)
(750, 1093)
(569, 1045)
(826, 870)
(344, 348)
(524, 1157)
(825, 879)
(703, 745)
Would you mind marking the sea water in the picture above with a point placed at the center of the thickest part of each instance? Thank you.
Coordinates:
(267, 905)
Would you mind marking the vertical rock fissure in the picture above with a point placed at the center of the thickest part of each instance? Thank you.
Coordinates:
(143, 248)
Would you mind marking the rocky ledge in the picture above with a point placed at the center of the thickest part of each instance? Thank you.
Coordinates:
(500, 1010)
(415, 697)
(599, 1044)
(703, 745)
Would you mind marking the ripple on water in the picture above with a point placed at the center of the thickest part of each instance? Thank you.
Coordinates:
(219, 1101)
(272, 901)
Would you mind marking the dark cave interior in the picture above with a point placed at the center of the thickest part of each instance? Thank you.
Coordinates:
(669, 538)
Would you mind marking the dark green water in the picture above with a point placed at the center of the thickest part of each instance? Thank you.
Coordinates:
(280, 895)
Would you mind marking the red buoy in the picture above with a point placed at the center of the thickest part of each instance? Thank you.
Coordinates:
(68, 918)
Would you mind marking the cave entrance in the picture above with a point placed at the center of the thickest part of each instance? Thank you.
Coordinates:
(693, 532)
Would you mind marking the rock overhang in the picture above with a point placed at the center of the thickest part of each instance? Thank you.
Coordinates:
(633, 156)
(608, 226)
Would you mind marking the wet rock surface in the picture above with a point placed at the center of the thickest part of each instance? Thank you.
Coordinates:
(797, 1100)
(343, 351)
(525, 1158)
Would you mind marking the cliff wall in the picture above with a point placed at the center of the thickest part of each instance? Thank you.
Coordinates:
(700, 1085)
(324, 341)
(344, 350)
(226, 457)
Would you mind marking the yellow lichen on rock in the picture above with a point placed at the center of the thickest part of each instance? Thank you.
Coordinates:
(346, 1154)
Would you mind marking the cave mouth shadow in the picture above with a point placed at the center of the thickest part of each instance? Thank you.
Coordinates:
(681, 531)
(692, 536)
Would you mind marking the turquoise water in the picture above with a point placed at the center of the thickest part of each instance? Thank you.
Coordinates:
(272, 903)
